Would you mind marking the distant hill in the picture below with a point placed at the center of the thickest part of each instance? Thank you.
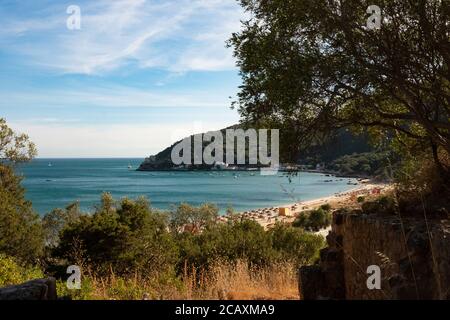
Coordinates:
(347, 154)
(344, 153)
(341, 143)
(162, 160)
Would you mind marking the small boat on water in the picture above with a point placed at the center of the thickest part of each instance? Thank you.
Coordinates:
(50, 164)
(130, 166)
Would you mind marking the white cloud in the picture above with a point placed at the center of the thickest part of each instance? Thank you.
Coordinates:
(55, 140)
(111, 96)
(178, 35)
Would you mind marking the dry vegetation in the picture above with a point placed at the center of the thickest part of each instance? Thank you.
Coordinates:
(224, 281)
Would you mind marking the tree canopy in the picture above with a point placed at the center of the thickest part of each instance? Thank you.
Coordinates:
(313, 65)
(15, 147)
(21, 232)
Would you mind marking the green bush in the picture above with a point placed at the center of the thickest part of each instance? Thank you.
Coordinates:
(197, 218)
(385, 205)
(247, 240)
(313, 220)
(86, 292)
(128, 237)
(56, 220)
(12, 272)
(241, 239)
(295, 244)
(21, 234)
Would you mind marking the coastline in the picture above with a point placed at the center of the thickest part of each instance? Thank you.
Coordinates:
(269, 216)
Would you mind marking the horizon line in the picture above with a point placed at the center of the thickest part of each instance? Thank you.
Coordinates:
(89, 157)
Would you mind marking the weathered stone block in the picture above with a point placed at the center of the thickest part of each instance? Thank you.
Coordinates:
(40, 289)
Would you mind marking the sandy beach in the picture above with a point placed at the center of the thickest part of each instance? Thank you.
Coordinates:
(268, 217)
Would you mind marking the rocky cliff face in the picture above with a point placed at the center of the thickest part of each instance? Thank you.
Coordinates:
(413, 256)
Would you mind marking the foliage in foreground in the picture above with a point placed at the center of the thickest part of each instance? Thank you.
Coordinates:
(127, 250)
(222, 280)
(12, 272)
(21, 233)
(129, 236)
(314, 220)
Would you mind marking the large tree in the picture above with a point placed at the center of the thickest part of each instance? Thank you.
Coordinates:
(315, 65)
(14, 147)
(21, 232)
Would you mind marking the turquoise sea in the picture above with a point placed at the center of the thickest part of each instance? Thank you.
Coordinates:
(55, 183)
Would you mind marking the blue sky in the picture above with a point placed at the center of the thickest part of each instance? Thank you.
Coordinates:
(138, 75)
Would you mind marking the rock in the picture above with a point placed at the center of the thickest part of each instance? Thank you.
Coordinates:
(40, 289)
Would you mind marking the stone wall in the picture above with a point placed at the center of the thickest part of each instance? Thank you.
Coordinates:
(414, 263)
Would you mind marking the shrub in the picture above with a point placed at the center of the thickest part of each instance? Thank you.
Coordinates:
(313, 220)
(12, 272)
(241, 239)
(296, 245)
(128, 237)
(422, 183)
(195, 218)
(86, 292)
(247, 240)
(56, 220)
(385, 205)
(301, 220)
(21, 234)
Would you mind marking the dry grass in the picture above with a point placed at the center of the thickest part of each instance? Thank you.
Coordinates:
(224, 281)
(239, 281)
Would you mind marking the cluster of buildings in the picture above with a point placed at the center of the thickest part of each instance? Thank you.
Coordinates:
(227, 167)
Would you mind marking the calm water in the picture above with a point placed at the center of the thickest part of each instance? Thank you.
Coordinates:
(83, 180)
